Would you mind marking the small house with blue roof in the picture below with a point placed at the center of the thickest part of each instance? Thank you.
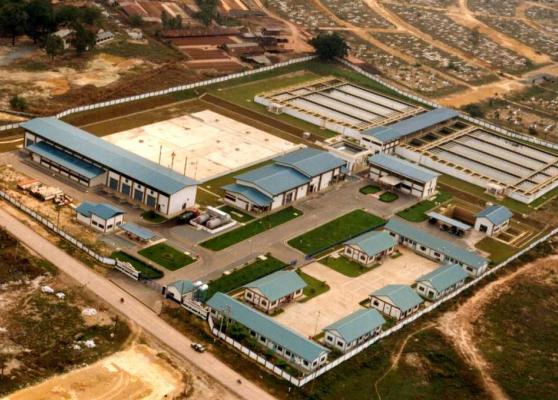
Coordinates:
(102, 217)
(398, 174)
(369, 248)
(493, 220)
(272, 291)
(289, 178)
(441, 281)
(353, 329)
(397, 301)
(178, 289)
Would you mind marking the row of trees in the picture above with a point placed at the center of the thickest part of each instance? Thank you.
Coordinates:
(38, 19)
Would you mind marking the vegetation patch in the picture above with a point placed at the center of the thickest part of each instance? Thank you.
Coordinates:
(314, 287)
(251, 229)
(388, 197)
(417, 213)
(369, 189)
(240, 277)
(146, 270)
(498, 250)
(167, 256)
(336, 231)
(344, 266)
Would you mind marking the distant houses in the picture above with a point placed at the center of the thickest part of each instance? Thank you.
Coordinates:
(441, 281)
(272, 291)
(370, 247)
(353, 330)
(396, 301)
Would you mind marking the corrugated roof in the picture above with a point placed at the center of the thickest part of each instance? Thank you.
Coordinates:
(255, 196)
(357, 324)
(402, 167)
(273, 179)
(311, 162)
(448, 220)
(402, 296)
(142, 233)
(267, 327)
(66, 160)
(497, 214)
(182, 286)
(278, 284)
(440, 245)
(386, 134)
(77, 140)
(444, 277)
(104, 211)
(373, 242)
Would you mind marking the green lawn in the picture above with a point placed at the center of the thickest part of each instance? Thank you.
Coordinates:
(417, 212)
(237, 214)
(315, 287)
(251, 229)
(498, 251)
(244, 275)
(344, 266)
(336, 231)
(166, 256)
(147, 271)
(152, 216)
(369, 189)
(388, 197)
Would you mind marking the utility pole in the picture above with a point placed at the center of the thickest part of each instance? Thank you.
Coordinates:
(160, 152)
(172, 159)
(185, 163)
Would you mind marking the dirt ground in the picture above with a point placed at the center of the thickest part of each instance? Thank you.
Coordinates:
(345, 293)
(458, 325)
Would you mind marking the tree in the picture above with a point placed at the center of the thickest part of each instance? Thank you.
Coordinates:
(13, 20)
(136, 20)
(66, 15)
(18, 103)
(54, 46)
(329, 46)
(474, 110)
(83, 40)
(208, 11)
(90, 15)
(165, 19)
(40, 20)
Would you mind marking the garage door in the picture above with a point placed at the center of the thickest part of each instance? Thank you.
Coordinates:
(113, 183)
(126, 189)
(138, 195)
(151, 201)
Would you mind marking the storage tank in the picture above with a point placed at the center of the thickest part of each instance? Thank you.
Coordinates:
(202, 219)
(214, 223)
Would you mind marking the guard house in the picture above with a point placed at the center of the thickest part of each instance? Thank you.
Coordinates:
(397, 301)
(384, 139)
(177, 290)
(354, 329)
(370, 248)
(101, 217)
(441, 281)
(91, 161)
(404, 176)
(435, 248)
(299, 351)
(291, 177)
(493, 220)
(272, 291)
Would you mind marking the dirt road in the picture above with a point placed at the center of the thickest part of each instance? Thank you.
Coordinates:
(458, 325)
(131, 308)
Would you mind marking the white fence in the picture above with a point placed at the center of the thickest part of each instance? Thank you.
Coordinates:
(53, 227)
(303, 381)
(170, 90)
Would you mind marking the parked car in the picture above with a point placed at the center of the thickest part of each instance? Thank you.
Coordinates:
(200, 348)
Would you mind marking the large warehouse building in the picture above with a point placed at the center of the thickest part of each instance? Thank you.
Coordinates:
(91, 161)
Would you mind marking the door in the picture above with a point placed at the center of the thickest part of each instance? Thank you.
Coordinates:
(126, 189)
(113, 183)
(138, 195)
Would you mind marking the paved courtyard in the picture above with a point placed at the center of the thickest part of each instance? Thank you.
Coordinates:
(346, 293)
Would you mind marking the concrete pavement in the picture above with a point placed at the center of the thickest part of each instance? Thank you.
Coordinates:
(132, 309)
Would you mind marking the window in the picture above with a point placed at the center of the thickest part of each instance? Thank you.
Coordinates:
(249, 295)
(376, 302)
(340, 343)
(252, 333)
(279, 348)
(263, 340)
(288, 353)
(94, 223)
(362, 257)
(109, 226)
(305, 363)
(423, 248)
(329, 338)
(349, 251)
(264, 303)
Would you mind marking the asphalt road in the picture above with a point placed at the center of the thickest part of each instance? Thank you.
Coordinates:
(132, 309)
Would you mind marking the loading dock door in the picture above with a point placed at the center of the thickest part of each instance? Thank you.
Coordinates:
(126, 189)
(138, 195)
(151, 201)
(113, 183)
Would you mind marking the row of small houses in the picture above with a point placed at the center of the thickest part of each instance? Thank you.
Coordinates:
(265, 295)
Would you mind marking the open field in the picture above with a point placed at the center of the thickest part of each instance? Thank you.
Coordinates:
(167, 256)
(336, 231)
(251, 229)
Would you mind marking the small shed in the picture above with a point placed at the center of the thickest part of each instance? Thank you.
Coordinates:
(101, 217)
(441, 281)
(137, 232)
(271, 291)
(370, 247)
(354, 329)
(493, 220)
(397, 301)
(178, 289)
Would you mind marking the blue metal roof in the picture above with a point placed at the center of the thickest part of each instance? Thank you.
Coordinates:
(273, 179)
(386, 134)
(116, 158)
(448, 220)
(104, 211)
(373, 242)
(267, 327)
(255, 196)
(439, 245)
(402, 167)
(402, 296)
(278, 284)
(142, 233)
(444, 277)
(182, 286)
(66, 160)
(497, 214)
(311, 162)
(357, 324)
